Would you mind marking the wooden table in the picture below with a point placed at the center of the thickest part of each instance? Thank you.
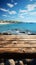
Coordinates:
(18, 43)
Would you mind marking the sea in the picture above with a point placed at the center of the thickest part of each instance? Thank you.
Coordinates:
(21, 26)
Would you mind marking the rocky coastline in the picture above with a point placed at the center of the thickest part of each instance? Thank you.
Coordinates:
(11, 32)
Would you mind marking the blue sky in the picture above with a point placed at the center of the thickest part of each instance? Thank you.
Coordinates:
(20, 10)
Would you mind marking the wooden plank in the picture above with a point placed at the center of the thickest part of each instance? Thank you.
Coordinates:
(17, 50)
(15, 37)
(19, 46)
(17, 43)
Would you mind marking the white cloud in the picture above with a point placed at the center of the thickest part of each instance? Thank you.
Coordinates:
(10, 5)
(22, 11)
(12, 12)
(15, 3)
(21, 15)
(31, 0)
(4, 15)
(28, 12)
(32, 13)
(31, 7)
(8, 11)
(2, 9)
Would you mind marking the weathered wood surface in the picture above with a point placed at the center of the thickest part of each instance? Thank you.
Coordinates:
(18, 43)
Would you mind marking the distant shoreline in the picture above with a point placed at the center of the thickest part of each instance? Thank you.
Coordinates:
(4, 23)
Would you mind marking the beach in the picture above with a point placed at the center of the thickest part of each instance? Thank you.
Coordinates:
(3, 23)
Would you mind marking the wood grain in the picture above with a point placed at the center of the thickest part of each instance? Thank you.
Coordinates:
(18, 43)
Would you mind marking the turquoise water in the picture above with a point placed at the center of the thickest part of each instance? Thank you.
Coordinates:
(19, 26)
